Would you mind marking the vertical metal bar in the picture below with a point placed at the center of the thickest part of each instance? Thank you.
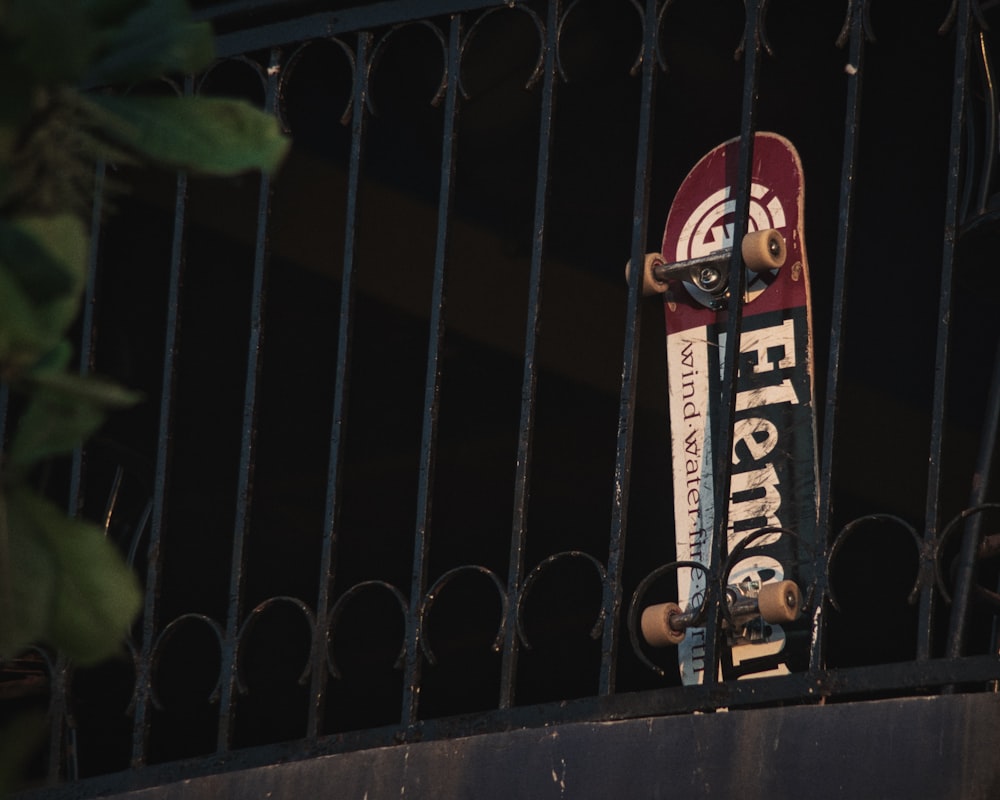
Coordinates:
(58, 730)
(63, 756)
(529, 380)
(244, 490)
(723, 433)
(320, 644)
(86, 362)
(852, 121)
(144, 667)
(432, 385)
(932, 512)
(612, 599)
(972, 533)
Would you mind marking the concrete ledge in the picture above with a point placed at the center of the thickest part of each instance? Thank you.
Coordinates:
(937, 747)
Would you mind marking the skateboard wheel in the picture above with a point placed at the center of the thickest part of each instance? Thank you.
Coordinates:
(655, 624)
(764, 250)
(650, 285)
(780, 602)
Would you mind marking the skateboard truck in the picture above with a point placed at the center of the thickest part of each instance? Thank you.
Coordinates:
(761, 250)
(752, 607)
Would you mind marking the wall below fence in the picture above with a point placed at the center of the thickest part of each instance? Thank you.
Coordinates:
(941, 747)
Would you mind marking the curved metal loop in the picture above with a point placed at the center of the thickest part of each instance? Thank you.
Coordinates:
(661, 59)
(137, 534)
(946, 535)
(533, 576)
(166, 634)
(379, 47)
(761, 31)
(636, 65)
(436, 589)
(536, 72)
(49, 657)
(849, 529)
(748, 544)
(952, 16)
(338, 608)
(632, 619)
(866, 23)
(256, 67)
(251, 620)
(292, 63)
(177, 88)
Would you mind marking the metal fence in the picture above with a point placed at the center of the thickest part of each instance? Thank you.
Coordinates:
(383, 489)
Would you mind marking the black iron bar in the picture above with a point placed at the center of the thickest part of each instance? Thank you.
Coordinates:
(144, 666)
(932, 516)
(63, 758)
(722, 435)
(244, 487)
(432, 386)
(845, 227)
(529, 379)
(612, 600)
(973, 532)
(319, 657)
(86, 359)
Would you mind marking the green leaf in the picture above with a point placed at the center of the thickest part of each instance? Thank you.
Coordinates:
(30, 327)
(107, 13)
(70, 587)
(41, 274)
(20, 736)
(157, 39)
(62, 412)
(53, 41)
(217, 136)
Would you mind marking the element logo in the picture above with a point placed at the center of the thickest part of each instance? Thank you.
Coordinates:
(710, 228)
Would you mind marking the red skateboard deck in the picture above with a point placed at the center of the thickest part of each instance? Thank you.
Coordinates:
(774, 458)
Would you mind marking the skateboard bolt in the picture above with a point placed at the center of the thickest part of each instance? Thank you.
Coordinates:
(709, 277)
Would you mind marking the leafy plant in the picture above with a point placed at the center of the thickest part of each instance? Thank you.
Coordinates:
(61, 582)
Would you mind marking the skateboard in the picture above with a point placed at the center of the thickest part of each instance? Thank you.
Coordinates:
(772, 515)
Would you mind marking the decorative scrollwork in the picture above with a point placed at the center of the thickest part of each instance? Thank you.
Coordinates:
(946, 534)
(338, 609)
(168, 633)
(851, 527)
(255, 68)
(760, 30)
(952, 17)
(660, 58)
(533, 577)
(293, 62)
(636, 64)
(436, 590)
(854, 8)
(379, 50)
(252, 619)
(639, 595)
(536, 72)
